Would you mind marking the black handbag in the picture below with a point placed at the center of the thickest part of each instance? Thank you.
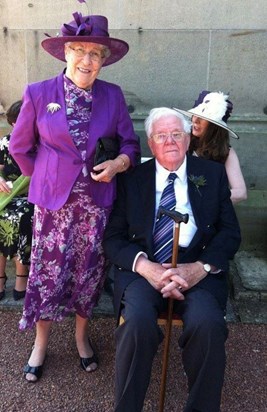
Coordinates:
(107, 148)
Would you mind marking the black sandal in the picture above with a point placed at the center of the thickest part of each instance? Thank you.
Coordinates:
(34, 370)
(85, 362)
(17, 295)
(3, 293)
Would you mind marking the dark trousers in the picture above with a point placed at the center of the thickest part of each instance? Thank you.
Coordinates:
(202, 343)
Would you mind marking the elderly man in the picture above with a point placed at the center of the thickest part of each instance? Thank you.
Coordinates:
(140, 247)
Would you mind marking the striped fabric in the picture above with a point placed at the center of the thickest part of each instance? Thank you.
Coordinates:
(163, 233)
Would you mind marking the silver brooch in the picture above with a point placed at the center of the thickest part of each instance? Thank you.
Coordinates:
(53, 107)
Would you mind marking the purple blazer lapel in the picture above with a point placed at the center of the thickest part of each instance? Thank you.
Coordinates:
(57, 120)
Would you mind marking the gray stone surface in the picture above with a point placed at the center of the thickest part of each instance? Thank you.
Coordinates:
(248, 284)
(253, 271)
(176, 48)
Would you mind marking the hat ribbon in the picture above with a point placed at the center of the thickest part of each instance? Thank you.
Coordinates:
(83, 28)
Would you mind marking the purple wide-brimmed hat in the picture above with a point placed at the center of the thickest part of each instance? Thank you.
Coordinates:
(92, 29)
(214, 107)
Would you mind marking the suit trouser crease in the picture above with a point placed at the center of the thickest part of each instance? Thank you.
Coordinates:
(202, 342)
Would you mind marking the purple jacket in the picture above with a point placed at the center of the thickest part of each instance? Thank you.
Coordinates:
(43, 147)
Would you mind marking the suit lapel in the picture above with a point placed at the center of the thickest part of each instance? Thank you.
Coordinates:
(196, 199)
(147, 188)
(194, 194)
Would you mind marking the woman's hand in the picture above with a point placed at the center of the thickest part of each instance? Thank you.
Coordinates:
(5, 186)
(108, 169)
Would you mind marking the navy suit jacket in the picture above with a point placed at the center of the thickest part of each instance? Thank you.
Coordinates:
(130, 229)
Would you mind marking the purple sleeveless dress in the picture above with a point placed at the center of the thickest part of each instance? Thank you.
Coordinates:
(67, 262)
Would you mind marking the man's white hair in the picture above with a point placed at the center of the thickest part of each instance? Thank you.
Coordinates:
(159, 112)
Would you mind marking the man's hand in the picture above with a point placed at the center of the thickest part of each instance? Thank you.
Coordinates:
(191, 273)
(154, 274)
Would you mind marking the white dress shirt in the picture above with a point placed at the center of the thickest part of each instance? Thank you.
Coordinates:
(187, 230)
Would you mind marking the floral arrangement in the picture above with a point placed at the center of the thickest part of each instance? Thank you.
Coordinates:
(198, 181)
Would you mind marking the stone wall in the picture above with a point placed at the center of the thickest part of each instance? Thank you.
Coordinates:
(177, 48)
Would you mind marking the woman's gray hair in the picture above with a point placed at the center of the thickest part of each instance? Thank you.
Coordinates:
(106, 52)
(159, 112)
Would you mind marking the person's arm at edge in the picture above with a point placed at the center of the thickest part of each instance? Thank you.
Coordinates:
(235, 177)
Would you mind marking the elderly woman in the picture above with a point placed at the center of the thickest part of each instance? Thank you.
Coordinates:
(210, 137)
(54, 142)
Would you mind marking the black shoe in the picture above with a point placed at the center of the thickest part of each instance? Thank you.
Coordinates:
(34, 370)
(37, 371)
(17, 295)
(3, 293)
(85, 362)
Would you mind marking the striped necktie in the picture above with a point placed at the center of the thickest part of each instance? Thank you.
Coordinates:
(163, 232)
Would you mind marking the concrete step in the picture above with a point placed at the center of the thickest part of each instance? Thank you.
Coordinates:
(248, 278)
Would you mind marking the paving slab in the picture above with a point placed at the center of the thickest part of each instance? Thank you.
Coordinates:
(248, 277)
(252, 268)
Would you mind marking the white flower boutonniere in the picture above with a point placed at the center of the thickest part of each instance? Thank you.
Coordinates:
(53, 107)
(198, 181)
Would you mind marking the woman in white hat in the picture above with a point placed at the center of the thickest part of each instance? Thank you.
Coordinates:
(54, 142)
(210, 137)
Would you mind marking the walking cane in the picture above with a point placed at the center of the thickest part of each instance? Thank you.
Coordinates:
(177, 218)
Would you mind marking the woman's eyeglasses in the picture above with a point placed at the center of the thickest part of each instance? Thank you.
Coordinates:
(95, 56)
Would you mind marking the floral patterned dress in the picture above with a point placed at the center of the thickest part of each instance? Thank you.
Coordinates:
(67, 264)
(16, 218)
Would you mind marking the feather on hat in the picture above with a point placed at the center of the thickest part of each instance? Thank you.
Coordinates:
(214, 107)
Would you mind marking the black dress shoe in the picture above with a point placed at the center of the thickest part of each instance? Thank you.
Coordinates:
(17, 295)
